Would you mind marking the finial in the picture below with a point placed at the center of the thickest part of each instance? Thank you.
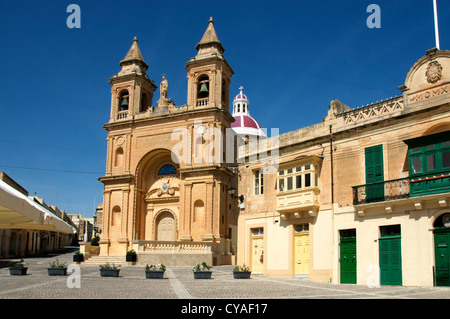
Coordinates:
(135, 39)
(241, 88)
(211, 20)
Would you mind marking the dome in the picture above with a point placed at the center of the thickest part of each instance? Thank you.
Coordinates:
(240, 96)
(244, 124)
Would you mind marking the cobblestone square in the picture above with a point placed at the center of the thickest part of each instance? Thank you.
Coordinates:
(179, 283)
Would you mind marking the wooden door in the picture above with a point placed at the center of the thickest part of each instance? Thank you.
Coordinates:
(166, 227)
(390, 261)
(301, 253)
(442, 256)
(257, 254)
(347, 260)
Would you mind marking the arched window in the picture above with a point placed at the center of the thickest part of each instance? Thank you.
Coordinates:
(203, 87)
(124, 100)
(167, 169)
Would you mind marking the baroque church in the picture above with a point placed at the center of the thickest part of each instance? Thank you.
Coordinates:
(161, 194)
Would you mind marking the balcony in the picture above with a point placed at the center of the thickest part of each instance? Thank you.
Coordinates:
(298, 201)
(413, 186)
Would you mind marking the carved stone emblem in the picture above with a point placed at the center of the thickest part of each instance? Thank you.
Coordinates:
(434, 72)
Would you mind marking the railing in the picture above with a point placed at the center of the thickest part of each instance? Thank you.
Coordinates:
(203, 102)
(122, 115)
(381, 191)
(172, 247)
(417, 185)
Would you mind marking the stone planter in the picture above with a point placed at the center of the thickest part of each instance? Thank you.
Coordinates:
(202, 274)
(57, 271)
(242, 274)
(78, 258)
(109, 272)
(14, 271)
(154, 274)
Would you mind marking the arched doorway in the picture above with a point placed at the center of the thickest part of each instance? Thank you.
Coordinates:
(165, 227)
(442, 249)
(158, 181)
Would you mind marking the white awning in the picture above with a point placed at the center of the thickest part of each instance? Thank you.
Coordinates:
(19, 211)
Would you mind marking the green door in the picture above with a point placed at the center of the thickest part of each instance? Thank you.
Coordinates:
(390, 260)
(374, 174)
(348, 259)
(441, 250)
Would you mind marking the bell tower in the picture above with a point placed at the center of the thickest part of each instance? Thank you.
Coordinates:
(131, 89)
(209, 73)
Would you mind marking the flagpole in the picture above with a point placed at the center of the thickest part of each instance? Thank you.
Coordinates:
(436, 27)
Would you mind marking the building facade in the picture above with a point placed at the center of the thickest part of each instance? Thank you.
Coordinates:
(362, 197)
(28, 226)
(165, 187)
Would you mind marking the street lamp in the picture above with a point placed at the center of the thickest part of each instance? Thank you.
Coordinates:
(231, 191)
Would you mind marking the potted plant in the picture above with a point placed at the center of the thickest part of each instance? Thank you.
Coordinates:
(241, 272)
(108, 270)
(152, 273)
(17, 268)
(131, 256)
(78, 257)
(202, 271)
(57, 268)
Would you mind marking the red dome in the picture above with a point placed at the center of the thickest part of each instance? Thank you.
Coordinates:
(244, 121)
(240, 97)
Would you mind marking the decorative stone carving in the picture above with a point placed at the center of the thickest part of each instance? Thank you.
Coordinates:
(434, 72)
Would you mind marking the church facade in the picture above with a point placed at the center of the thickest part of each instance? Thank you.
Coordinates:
(163, 197)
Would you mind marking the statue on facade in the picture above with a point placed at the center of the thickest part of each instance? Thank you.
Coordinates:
(164, 93)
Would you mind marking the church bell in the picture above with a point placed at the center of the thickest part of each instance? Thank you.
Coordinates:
(124, 101)
(204, 88)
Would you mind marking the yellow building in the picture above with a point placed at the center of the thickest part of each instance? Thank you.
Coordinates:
(363, 196)
(164, 195)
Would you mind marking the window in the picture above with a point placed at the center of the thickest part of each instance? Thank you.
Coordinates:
(281, 184)
(167, 169)
(307, 180)
(298, 177)
(429, 154)
(446, 159)
(429, 164)
(258, 182)
(416, 164)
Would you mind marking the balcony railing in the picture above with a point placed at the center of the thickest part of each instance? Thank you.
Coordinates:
(412, 186)
(381, 191)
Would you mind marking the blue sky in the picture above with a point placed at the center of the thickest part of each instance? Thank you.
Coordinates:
(292, 57)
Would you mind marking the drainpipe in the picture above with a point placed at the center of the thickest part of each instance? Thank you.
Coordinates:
(332, 200)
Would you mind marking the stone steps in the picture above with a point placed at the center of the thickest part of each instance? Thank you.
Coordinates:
(100, 260)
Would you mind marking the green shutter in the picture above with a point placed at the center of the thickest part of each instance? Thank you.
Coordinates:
(442, 258)
(390, 261)
(374, 174)
(348, 260)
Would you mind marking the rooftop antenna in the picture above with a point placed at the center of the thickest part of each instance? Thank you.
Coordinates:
(436, 27)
